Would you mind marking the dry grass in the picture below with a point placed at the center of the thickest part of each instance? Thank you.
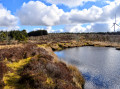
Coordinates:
(50, 52)
(77, 76)
(11, 46)
(104, 44)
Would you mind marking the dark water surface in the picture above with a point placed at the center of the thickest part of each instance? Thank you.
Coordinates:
(100, 66)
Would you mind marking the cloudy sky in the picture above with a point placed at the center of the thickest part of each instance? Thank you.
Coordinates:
(60, 15)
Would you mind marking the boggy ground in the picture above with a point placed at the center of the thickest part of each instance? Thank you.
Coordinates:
(61, 41)
(36, 67)
(63, 45)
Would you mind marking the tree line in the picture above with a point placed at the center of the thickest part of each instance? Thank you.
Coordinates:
(38, 33)
(16, 35)
(20, 35)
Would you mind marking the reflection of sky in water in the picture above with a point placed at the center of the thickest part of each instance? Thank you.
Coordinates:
(99, 65)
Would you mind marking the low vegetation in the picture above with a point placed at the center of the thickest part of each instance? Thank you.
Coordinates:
(35, 68)
(102, 37)
(33, 65)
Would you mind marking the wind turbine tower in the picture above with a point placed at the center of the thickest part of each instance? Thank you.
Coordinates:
(114, 24)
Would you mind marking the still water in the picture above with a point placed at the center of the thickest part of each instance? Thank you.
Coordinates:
(100, 66)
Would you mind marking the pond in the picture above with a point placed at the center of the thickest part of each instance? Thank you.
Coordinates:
(100, 66)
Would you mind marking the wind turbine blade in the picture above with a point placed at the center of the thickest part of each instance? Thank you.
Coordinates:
(118, 25)
(115, 18)
(112, 26)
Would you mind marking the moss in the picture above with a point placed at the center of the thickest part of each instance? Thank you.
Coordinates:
(11, 78)
(9, 87)
(86, 44)
(56, 46)
(49, 81)
(59, 49)
(42, 45)
(19, 65)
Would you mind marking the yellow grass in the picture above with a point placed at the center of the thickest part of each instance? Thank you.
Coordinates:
(11, 78)
(10, 46)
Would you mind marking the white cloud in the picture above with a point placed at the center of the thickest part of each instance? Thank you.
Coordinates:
(74, 28)
(37, 13)
(6, 18)
(70, 3)
(61, 30)
(93, 27)
(100, 27)
(49, 29)
(35, 29)
(9, 28)
(92, 14)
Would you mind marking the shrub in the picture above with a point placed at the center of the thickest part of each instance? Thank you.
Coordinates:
(17, 35)
(38, 33)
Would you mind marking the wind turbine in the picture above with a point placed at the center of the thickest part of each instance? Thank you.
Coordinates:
(114, 24)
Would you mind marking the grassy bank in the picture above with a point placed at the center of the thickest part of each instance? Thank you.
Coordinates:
(36, 67)
(60, 41)
(63, 45)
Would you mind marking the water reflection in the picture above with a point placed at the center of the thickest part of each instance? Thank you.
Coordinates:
(99, 65)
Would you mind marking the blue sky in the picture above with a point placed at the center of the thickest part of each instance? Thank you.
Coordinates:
(59, 15)
(14, 5)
